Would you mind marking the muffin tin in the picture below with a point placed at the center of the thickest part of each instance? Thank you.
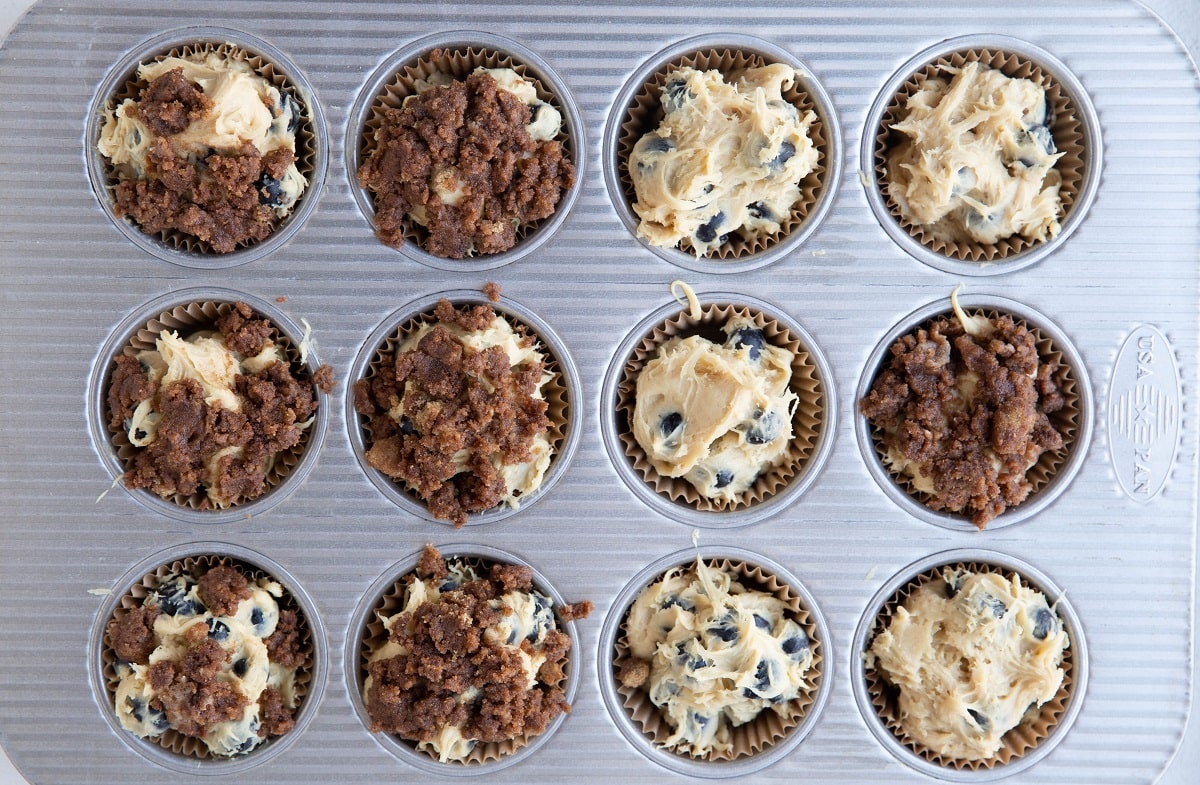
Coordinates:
(1118, 540)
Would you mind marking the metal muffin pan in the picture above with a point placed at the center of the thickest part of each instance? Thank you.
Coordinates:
(1119, 540)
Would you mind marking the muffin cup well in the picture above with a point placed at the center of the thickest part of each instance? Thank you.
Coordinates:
(188, 311)
(561, 393)
(1076, 132)
(1025, 745)
(812, 423)
(458, 53)
(756, 744)
(366, 630)
(1053, 472)
(636, 112)
(173, 750)
(311, 141)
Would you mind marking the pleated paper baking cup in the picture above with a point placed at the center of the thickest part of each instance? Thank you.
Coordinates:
(812, 421)
(1039, 731)
(638, 111)
(1054, 470)
(378, 355)
(367, 633)
(265, 60)
(1075, 130)
(187, 312)
(457, 55)
(172, 749)
(755, 744)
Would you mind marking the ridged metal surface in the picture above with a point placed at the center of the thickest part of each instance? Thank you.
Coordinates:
(68, 278)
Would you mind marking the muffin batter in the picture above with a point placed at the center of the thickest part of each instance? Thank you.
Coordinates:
(469, 658)
(726, 158)
(718, 655)
(459, 415)
(212, 657)
(716, 415)
(973, 655)
(209, 413)
(977, 160)
(209, 149)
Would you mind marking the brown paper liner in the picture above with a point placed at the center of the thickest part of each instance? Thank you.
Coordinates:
(375, 635)
(1066, 130)
(1065, 420)
(769, 727)
(306, 137)
(172, 740)
(554, 391)
(186, 320)
(807, 421)
(458, 63)
(644, 114)
(1024, 737)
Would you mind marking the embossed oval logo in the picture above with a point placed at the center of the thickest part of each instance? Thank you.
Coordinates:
(1144, 400)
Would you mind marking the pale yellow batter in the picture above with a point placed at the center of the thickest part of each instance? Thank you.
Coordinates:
(527, 618)
(520, 479)
(246, 108)
(973, 654)
(203, 358)
(726, 158)
(977, 159)
(248, 667)
(717, 415)
(719, 654)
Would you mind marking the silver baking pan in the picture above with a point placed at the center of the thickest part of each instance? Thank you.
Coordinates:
(1118, 539)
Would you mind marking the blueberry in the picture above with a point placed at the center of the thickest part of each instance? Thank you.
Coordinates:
(256, 616)
(406, 425)
(245, 746)
(677, 602)
(240, 665)
(218, 630)
(723, 478)
(751, 337)
(675, 93)
(139, 434)
(978, 221)
(270, 190)
(786, 151)
(173, 599)
(795, 645)
(1041, 135)
(696, 663)
(997, 607)
(979, 719)
(670, 422)
(762, 622)
(725, 632)
(708, 231)
(449, 583)
(1026, 162)
(762, 680)
(512, 637)
(699, 719)
(953, 584)
(765, 429)
(656, 144)
(287, 102)
(159, 720)
(708, 188)
(759, 210)
(135, 708)
(1043, 623)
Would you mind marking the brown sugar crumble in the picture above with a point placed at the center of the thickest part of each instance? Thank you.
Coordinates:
(455, 401)
(455, 671)
(467, 137)
(275, 405)
(974, 447)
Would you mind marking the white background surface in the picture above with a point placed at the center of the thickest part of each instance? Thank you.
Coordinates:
(1181, 15)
